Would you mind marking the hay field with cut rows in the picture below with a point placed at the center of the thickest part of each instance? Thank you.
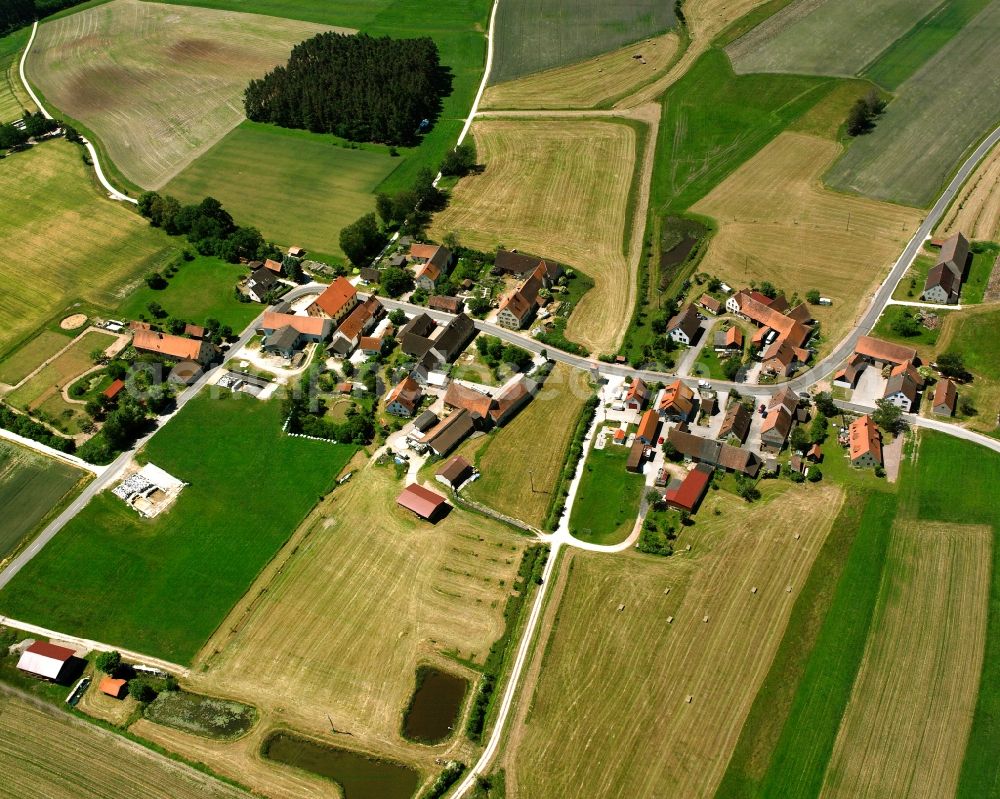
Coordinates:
(48, 753)
(559, 189)
(13, 98)
(363, 595)
(589, 83)
(905, 727)
(521, 462)
(75, 244)
(612, 714)
(976, 210)
(777, 222)
(158, 84)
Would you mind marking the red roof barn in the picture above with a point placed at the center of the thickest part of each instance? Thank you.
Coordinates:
(689, 493)
(423, 502)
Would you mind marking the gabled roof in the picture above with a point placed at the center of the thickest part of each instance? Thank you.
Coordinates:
(879, 350)
(942, 275)
(111, 686)
(284, 338)
(685, 320)
(785, 398)
(736, 422)
(425, 421)
(954, 253)
(454, 336)
(510, 398)
(714, 452)
(446, 435)
(475, 402)
(262, 281)
(428, 270)
(708, 302)
(638, 391)
(420, 325)
(447, 304)
(864, 439)
(422, 501)
(167, 344)
(677, 397)
(779, 422)
(435, 255)
(370, 343)
(273, 266)
(517, 263)
(800, 313)
(335, 297)
(406, 392)
(307, 325)
(358, 319)
(648, 425)
(905, 380)
(456, 471)
(690, 491)
(45, 659)
(112, 391)
(945, 394)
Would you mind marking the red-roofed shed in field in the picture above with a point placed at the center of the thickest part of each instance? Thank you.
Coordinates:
(423, 502)
(112, 391)
(48, 661)
(112, 687)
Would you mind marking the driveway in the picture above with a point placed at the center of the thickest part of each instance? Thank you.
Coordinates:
(871, 387)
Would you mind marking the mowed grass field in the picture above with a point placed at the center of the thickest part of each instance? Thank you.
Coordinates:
(14, 99)
(201, 289)
(921, 119)
(618, 680)
(163, 585)
(826, 37)
(521, 462)
(157, 84)
(586, 84)
(560, 190)
(607, 502)
(49, 753)
(976, 210)
(31, 486)
(26, 358)
(920, 674)
(75, 244)
(972, 334)
(367, 593)
(296, 187)
(534, 35)
(777, 222)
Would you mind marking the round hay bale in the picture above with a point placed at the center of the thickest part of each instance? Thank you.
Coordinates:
(74, 321)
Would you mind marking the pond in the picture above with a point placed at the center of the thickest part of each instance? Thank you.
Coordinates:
(435, 706)
(201, 715)
(359, 776)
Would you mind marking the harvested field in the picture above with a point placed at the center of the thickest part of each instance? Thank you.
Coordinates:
(13, 98)
(49, 753)
(595, 678)
(306, 186)
(83, 246)
(31, 486)
(976, 210)
(521, 462)
(920, 673)
(921, 119)
(778, 223)
(560, 190)
(363, 595)
(157, 84)
(532, 36)
(826, 37)
(588, 83)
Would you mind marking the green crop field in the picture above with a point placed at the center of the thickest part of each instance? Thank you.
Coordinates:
(533, 35)
(920, 139)
(163, 585)
(908, 53)
(298, 188)
(714, 120)
(31, 486)
(202, 289)
(13, 98)
(836, 37)
(607, 501)
(975, 338)
(26, 358)
(76, 245)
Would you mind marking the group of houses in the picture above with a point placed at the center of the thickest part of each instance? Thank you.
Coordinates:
(782, 331)
(904, 382)
(944, 280)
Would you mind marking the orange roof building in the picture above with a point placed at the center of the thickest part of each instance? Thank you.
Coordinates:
(404, 398)
(176, 347)
(648, 427)
(306, 325)
(337, 300)
(884, 352)
(677, 401)
(112, 687)
(273, 266)
(865, 442)
(475, 402)
(112, 391)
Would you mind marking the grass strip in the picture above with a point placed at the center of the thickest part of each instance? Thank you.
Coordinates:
(574, 451)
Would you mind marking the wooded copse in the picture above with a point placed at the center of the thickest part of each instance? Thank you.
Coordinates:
(357, 86)
(15, 14)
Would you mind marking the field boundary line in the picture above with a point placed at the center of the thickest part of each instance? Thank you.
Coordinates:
(113, 193)
(146, 660)
(44, 449)
(487, 69)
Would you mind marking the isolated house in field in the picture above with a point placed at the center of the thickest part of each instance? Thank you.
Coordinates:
(945, 398)
(729, 341)
(736, 423)
(173, 347)
(637, 395)
(422, 502)
(260, 284)
(676, 402)
(883, 353)
(112, 687)
(336, 302)
(865, 443)
(649, 426)
(456, 472)
(942, 286)
(903, 386)
(636, 456)
(683, 328)
(49, 662)
(285, 333)
(404, 398)
(688, 493)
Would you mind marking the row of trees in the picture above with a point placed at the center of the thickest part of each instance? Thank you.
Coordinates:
(26, 426)
(208, 226)
(35, 125)
(359, 87)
